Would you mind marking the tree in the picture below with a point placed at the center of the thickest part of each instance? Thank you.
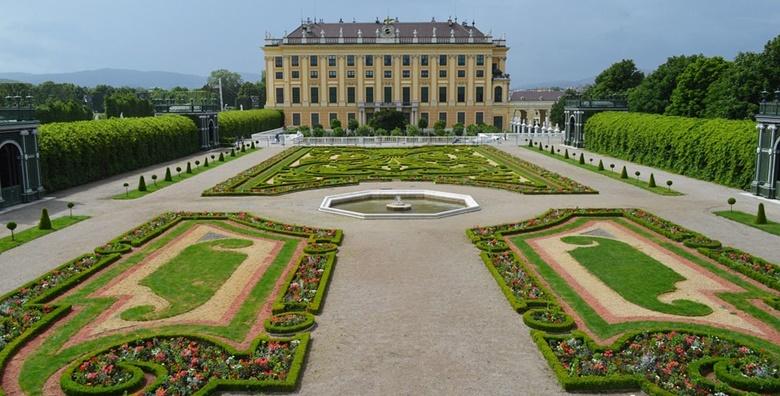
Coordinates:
(231, 83)
(45, 222)
(760, 216)
(246, 92)
(457, 129)
(62, 111)
(127, 104)
(624, 173)
(669, 185)
(11, 226)
(353, 124)
(654, 93)
(737, 92)
(412, 130)
(556, 111)
(422, 123)
(731, 201)
(581, 160)
(439, 127)
(189, 167)
(689, 94)
(616, 80)
(387, 119)
(651, 182)
(335, 123)
(601, 165)
(168, 176)
(141, 183)
(70, 208)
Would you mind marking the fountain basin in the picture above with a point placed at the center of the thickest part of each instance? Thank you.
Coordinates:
(398, 204)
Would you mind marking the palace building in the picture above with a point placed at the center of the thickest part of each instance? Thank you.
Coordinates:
(447, 71)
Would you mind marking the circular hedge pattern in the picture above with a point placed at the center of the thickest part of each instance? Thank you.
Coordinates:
(547, 319)
(320, 247)
(289, 322)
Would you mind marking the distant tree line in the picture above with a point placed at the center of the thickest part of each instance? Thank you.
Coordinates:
(64, 102)
(690, 85)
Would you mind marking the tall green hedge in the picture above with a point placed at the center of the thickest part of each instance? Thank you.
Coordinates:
(233, 124)
(75, 153)
(722, 151)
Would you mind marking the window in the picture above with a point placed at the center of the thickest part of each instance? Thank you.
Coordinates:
(350, 60)
(331, 74)
(278, 61)
(295, 61)
(312, 61)
(424, 116)
(424, 94)
(350, 74)
(443, 60)
(479, 95)
(443, 116)
(279, 75)
(315, 120)
(480, 73)
(296, 95)
(279, 95)
(406, 73)
(480, 60)
(461, 73)
(314, 74)
(424, 60)
(461, 60)
(388, 74)
(331, 60)
(406, 60)
(479, 117)
(369, 60)
(369, 94)
(388, 94)
(406, 95)
(314, 97)
(350, 94)
(461, 117)
(388, 60)
(296, 74)
(443, 73)
(461, 94)
(498, 95)
(333, 116)
(369, 74)
(296, 119)
(333, 94)
(498, 122)
(442, 94)
(424, 73)
(351, 116)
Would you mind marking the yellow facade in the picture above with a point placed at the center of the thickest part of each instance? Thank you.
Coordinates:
(354, 80)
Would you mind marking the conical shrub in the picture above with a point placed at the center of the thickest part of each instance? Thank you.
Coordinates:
(206, 164)
(565, 153)
(232, 152)
(189, 167)
(601, 165)
(760, 216)
(45, 222)
(168, 176)
(141, 183)
(651, 182)
(221, 157)
(582, 159)
(624, 173)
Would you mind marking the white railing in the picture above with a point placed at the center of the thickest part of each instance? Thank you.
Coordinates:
(401, 141)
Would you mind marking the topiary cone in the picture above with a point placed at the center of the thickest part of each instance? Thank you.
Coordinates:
(566, 153)
(552, 149)
(651, 182)
(168, 176)
(232, 152)
(221, 157)
(760, 216)
(601, 165)
(45, 223)
(582, 159)
(141, 184)
(624, 173)
(206, 164)
(189, 167)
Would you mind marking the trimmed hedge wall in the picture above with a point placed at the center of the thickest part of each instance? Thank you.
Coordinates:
(233, 124)
(717, 150)
(74, 153)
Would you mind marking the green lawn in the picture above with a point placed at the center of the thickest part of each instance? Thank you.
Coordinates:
(152, 186)
(634, 275)
(29, 234)
(660, 187)
(750, 220)
(190, 279)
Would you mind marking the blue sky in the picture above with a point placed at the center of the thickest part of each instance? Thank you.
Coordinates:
(549, 39)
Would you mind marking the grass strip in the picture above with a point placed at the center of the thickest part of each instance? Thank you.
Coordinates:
(750, 221)
(22, 237)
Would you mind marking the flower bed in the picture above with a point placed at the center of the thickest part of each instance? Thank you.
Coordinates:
(289, 322)
(551, 319)
(656, 361)
(752, 266)
(306, 286)
(320, 248)
(188, 365)
(518, 285)
(318, 234)
(492, 245)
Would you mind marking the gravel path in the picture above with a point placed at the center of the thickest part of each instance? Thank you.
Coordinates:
(411, 308)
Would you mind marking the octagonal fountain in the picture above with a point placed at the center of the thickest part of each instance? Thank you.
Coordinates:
(398, 204)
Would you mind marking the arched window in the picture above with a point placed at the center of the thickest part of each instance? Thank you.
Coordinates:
(498, 95)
